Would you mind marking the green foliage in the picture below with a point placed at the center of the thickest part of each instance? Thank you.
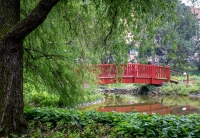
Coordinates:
(47, 121)
(171, 88)
(181, 88)
(175, 38)
(79, 33)
(191, 69)
(150, 87)
(39, 96)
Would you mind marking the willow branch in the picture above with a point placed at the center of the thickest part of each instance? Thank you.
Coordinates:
(111, 30)
(42, 54)
(32, 21)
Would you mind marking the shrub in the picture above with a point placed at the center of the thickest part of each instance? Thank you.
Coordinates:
(180, 88)
(41, 96)
(48, 122)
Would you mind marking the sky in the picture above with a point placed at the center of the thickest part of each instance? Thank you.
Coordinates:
(189, 3)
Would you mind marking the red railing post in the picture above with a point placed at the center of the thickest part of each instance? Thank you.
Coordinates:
(134, 73)
(152, 74)
(168, 73)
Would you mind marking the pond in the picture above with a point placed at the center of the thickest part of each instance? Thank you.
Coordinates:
(176, 105)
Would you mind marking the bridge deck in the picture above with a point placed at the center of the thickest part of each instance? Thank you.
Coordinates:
(133, 73)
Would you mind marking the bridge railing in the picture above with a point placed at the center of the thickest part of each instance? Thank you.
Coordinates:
(138, 72)
(145, 70)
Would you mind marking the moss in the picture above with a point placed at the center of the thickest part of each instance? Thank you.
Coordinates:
(4, 31)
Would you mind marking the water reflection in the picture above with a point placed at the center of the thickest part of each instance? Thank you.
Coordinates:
(184, 110)
(176, 105)
(143, 108)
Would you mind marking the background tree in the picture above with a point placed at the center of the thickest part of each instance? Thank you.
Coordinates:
(174, 41)
(82, 27)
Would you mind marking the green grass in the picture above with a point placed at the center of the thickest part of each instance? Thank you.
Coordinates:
(181, 88)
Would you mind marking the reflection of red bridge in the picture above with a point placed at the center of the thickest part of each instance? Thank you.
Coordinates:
(133, 73)
(147, 108)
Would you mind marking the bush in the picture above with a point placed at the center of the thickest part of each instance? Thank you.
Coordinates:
(52, 122)
(41, 96)
(180, 88)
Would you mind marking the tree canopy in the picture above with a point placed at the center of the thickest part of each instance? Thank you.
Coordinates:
(56, 48)
(86, 32)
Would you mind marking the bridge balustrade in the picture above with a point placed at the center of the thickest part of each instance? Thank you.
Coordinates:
(133, 73)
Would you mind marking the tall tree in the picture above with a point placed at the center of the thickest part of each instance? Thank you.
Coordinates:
(112, 18)
(13, 31)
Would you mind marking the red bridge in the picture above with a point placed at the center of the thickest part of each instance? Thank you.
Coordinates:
(133, 73)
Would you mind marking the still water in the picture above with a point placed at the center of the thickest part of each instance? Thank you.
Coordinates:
(176, 105)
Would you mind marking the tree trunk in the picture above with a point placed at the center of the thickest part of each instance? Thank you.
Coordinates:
(11, 91)
(11, 60)
(12, 33)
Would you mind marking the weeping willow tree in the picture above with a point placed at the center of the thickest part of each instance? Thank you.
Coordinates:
(43, 48)
(84, 35)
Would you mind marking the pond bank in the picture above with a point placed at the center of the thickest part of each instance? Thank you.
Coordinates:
(130, 90)
(144, 90)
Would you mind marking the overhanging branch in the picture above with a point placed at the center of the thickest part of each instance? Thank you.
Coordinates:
(42, 55)
(112, 26)
(32, 21)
